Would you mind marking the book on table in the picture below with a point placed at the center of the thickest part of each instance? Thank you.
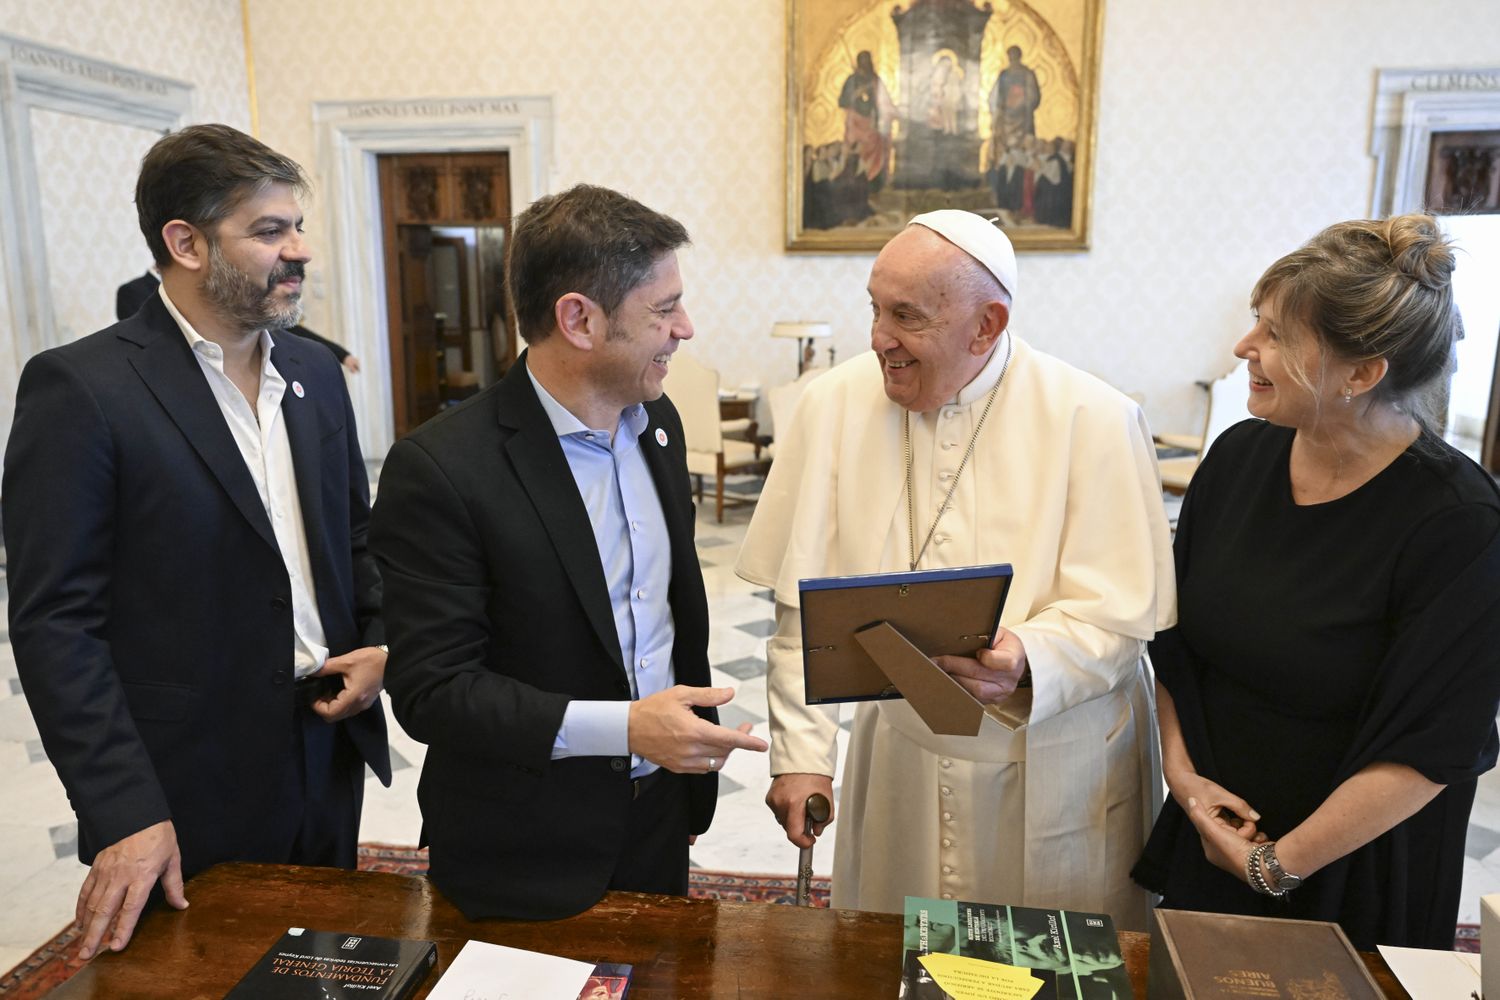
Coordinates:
(336, 965)
(1020, 952)
(485, 971)
(1221, 956)
(609, 981)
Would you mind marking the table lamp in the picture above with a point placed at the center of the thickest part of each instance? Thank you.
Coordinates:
(804, 332)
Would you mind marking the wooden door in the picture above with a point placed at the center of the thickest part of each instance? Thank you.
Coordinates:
(418, 191)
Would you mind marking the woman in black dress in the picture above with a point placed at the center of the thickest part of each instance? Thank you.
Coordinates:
(1329, 694)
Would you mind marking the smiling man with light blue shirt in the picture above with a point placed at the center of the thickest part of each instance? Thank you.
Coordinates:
(620, 498)
(544, 606)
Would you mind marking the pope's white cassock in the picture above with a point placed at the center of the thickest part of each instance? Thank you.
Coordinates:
(1063, 485)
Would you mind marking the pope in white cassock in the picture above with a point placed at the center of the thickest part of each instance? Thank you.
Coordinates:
(1012, 456)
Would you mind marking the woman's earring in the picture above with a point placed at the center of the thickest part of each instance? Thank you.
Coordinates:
(1348, 395)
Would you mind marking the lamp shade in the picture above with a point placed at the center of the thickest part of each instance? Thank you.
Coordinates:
(800, 329)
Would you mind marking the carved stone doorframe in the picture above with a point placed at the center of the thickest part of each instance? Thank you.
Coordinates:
(40, 77)
(1412, 104)
(350, 135)
(1411, 107)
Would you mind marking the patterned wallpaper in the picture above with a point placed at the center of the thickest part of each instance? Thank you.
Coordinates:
(197, 41)
(1227, 134)
(88, 190)
(87, 167)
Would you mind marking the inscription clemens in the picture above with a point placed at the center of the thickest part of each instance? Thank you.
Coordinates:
(434, 109)
(61, 62)
(1457, 80)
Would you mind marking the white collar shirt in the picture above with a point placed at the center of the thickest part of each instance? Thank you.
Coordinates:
(266, 449)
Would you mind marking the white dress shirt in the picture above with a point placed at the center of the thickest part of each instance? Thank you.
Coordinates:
(261, 436)
(635, 552)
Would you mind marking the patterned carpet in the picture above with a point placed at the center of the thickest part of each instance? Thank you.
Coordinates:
(702, 884)
(54, 961)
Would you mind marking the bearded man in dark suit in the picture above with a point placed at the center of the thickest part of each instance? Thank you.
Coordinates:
(193, 608)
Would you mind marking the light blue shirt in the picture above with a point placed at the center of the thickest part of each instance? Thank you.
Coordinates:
(630, 532)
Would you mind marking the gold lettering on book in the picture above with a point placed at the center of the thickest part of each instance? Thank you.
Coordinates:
(1248, 982)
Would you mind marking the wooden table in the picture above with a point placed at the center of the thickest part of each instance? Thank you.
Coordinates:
(680, 948)
(737, 405)
(741, 406)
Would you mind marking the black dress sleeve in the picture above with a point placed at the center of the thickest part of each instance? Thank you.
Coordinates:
(1433, 707)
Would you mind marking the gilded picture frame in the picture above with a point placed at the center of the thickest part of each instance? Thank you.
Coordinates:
(897, 107)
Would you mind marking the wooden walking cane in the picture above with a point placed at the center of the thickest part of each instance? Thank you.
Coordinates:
(816, 810)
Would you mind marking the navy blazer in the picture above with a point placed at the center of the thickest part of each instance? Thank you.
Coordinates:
(499, 615)
(150, 607)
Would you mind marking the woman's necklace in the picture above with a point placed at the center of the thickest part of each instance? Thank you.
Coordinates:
(911, 516)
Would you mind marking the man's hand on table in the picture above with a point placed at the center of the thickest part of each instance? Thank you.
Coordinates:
(120, 881)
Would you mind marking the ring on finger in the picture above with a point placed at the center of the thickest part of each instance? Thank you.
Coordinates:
(713, 763)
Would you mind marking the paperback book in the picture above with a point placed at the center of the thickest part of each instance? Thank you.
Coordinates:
(1070, 955)
(609, 981)
(334, 965)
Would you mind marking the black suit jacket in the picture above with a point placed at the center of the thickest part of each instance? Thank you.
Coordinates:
(149, 605)
(498, 615)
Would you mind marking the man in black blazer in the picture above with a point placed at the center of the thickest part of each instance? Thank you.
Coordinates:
(546, 612)
(193, 608)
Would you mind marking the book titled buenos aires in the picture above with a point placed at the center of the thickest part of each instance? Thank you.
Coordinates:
(1074, 955)
(336, 965)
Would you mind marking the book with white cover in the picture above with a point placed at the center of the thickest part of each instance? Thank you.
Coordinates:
(484, 971)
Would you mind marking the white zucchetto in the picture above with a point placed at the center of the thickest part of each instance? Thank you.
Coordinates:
(979, 238)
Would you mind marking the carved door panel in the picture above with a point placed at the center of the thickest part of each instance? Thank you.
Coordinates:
(425, 198)
(419, 326)
(423, 188)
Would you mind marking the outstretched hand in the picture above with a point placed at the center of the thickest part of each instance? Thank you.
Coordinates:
(664, 729)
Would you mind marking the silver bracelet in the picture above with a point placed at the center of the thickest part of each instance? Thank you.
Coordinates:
(1253, 873)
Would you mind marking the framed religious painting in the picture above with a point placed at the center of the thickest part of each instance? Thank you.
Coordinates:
(897, 108)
